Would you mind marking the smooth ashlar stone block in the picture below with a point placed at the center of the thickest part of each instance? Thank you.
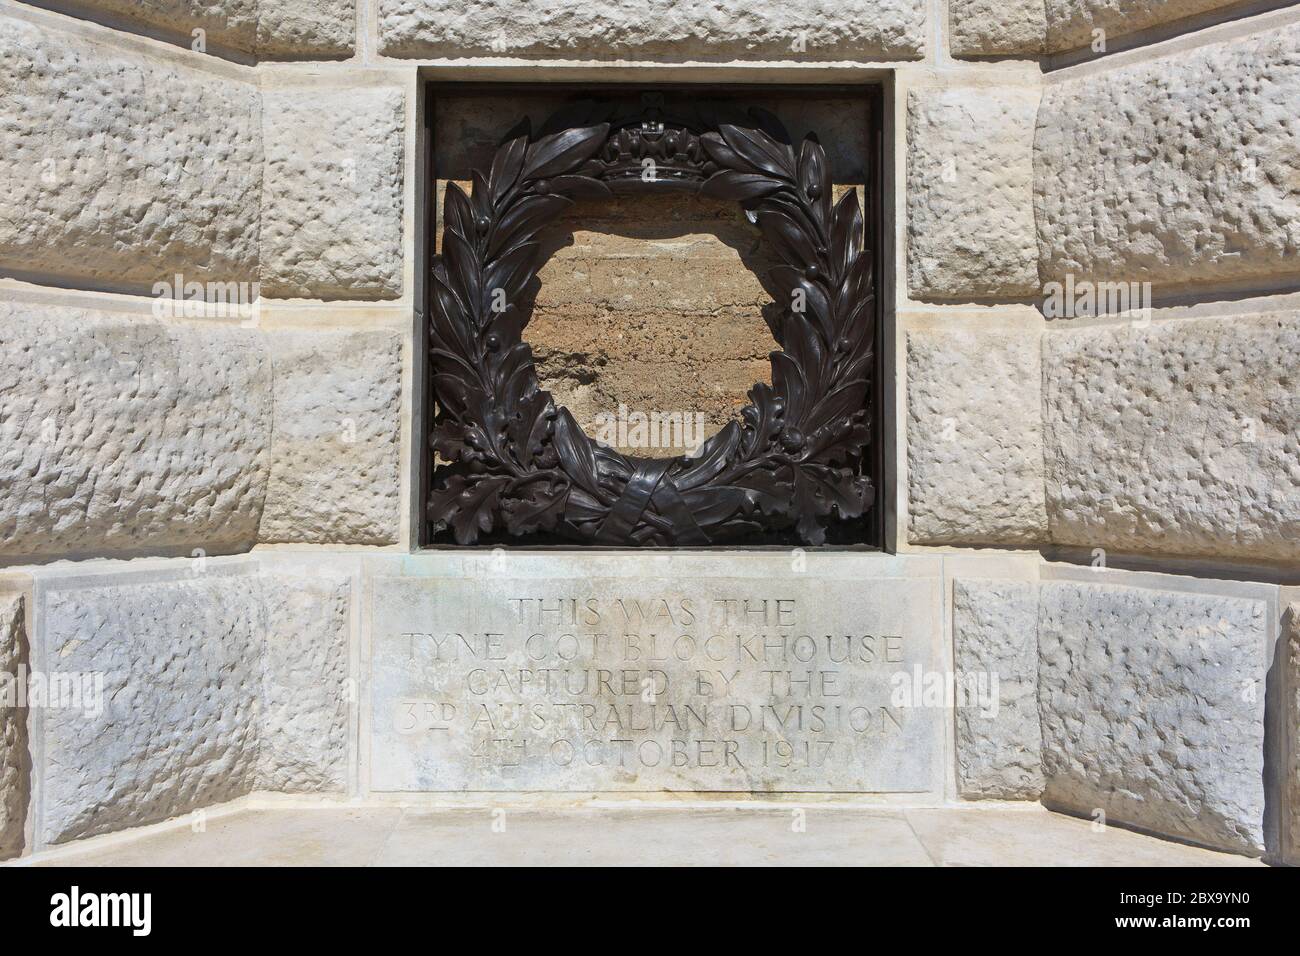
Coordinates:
(974, 438)
(119, 434)
(997, 27)
(213, 682)
(335, 444)
(1291, 731)
(970, 193)
(15, 779)
(691, 30)
(304, 718)
(332, 193)
(122, 169)
(706, 679)
(1075, 23)
(302, 28)
(995, 650)
(1177, 170)
(1152, 709)
(1177, 438)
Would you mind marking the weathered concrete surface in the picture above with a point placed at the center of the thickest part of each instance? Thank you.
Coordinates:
(690, 30)
(332, 193)
(974, 438)
(647, 836)
(1178, 438)
(122, 434)
(301, 28)
(335, 441)
(1290, 650)
(995, 636)
(647, 674)
(997, 27)
(120, 168)
(1152, 708)
(215, 683)
(970, 193)
(1176, 171)
(304, 718)
(1072, 23)
(15, 778)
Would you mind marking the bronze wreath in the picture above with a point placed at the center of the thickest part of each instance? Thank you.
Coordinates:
(515, 462)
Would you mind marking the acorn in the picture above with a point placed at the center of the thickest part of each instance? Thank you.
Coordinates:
(792, 440)
(482, 222)
(814, 191)
(813, 272)
(493, 342)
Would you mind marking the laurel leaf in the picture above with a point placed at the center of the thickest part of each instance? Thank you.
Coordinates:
(760, 150)
(564, 151)
(731, 184)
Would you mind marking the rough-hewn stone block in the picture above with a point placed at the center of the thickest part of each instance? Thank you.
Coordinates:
(122, 434)
(974, 438)
(1071, 23)
(1152, 709)
(997, 27)
(691, 30)
(181, 674)
(216, 682)
(306, 27)
(119, 168)
(304, 719)
(1174, 171)
(995, 638)
(15, 779)
(1177, 438)
(332, 193)
(970, 195)
(1291, 731)
(334, 462)
(271, 27)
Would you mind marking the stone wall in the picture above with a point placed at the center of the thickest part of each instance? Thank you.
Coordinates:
(270, 156)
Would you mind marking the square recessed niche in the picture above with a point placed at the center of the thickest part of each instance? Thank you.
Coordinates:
(652, 313)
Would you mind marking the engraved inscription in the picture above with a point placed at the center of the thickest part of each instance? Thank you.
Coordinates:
(614, 685)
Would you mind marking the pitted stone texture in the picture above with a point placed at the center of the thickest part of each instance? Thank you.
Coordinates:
(1291, 705)
(970, 169)
(1178, 438)
(997, 27)
(178, 731)
(1071, 23)
(15, 782)
(1152, 708)
(678, 30)
(334, 472)
(332, 193)
(304, 719)
(127, 434)
(974, 449)
(301, 27)
(215, 684)
(120, 169)
(273, 27)
(995, 632)
(1174, 171)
